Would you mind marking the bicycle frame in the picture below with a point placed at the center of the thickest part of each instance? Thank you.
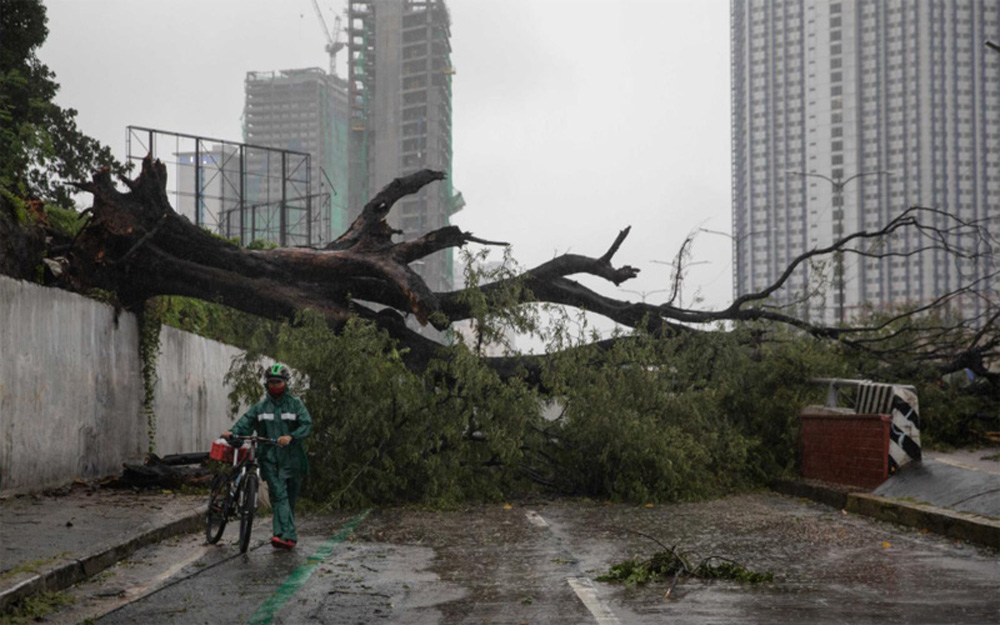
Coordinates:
(241, 467)
(234, 496)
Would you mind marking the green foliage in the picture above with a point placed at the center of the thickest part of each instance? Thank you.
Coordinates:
(682, 418)
(648, 419)
(65, 221)
(31, 566)
(949, 412)
(233, 241)
(14, 205)
(40, 145)
(34, 608)
(262, 244)
(914, 347)
(642, 418)
(215, 321)
(668, 565)
(383, 433)
(149, 353)
(727, 569)
(496, 314)
(763, 380)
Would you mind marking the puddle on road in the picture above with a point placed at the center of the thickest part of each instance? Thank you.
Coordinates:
(828, 565)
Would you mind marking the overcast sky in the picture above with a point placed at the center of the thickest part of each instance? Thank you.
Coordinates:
(572, 118)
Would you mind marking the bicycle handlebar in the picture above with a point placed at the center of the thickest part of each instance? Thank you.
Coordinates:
(237, 441)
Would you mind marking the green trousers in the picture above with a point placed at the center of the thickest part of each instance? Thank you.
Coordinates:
(283, 489)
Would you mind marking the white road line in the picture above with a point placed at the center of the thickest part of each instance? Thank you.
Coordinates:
(582, 586)
(536, 518)
(585, 590)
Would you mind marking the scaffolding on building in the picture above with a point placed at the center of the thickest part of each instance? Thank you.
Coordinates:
(360, 86)
(305, 110)
(399, 92)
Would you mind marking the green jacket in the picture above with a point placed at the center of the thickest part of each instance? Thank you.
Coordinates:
(271, 419)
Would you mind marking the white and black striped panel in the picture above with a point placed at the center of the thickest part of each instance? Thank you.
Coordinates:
(874, 399)
(899, 402)
(905, 431)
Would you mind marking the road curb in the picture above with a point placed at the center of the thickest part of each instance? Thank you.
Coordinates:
(63, 574)
(959, 525)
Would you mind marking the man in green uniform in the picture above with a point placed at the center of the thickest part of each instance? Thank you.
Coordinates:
(284, 418)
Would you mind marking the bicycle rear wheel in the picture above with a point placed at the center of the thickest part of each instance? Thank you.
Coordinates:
(248, 506)
(218, 509)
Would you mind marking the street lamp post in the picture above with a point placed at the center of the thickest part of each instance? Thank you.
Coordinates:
(838, 185)
(736, 245)
(645, 294)
(679, 276)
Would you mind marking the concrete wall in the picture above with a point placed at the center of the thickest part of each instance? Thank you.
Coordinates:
(71, 389)
(191, 397)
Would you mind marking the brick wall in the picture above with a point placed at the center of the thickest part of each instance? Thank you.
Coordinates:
(846, 449)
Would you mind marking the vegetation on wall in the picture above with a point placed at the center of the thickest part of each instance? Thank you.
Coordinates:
(149, 353)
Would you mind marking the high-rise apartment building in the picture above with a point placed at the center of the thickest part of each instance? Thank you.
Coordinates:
(845, 113)
(399, 88)
(303, 110)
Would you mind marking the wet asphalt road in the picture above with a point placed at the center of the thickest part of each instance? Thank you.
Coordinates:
(535, 562)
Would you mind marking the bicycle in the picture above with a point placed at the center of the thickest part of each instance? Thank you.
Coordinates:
(234, 494)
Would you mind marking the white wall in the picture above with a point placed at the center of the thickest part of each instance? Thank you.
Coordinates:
(191, 398)
(71, 389)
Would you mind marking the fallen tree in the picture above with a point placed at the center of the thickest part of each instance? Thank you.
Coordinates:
(136, 246)
(672, 410)
(684, 403)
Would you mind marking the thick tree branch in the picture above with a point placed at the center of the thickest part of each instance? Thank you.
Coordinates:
(435, 241)
(138, 247)
(370, 230)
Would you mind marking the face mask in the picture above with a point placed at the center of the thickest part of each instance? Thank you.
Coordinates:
(276, 390)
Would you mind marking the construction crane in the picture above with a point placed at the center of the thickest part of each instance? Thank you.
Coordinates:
(333, 45)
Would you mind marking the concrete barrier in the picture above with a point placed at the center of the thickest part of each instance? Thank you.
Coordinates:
(71, 389)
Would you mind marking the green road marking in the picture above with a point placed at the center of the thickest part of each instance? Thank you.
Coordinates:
(265, 613)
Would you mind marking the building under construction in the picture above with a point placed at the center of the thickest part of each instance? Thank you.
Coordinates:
(399, 90)
(391, 117)
(304, 110)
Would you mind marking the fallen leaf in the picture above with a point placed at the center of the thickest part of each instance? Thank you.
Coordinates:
(507, 506)
(649, 505)
(886, 545)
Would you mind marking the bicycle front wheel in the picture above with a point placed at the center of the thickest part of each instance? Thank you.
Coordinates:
(218, 509)
(248, 506)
